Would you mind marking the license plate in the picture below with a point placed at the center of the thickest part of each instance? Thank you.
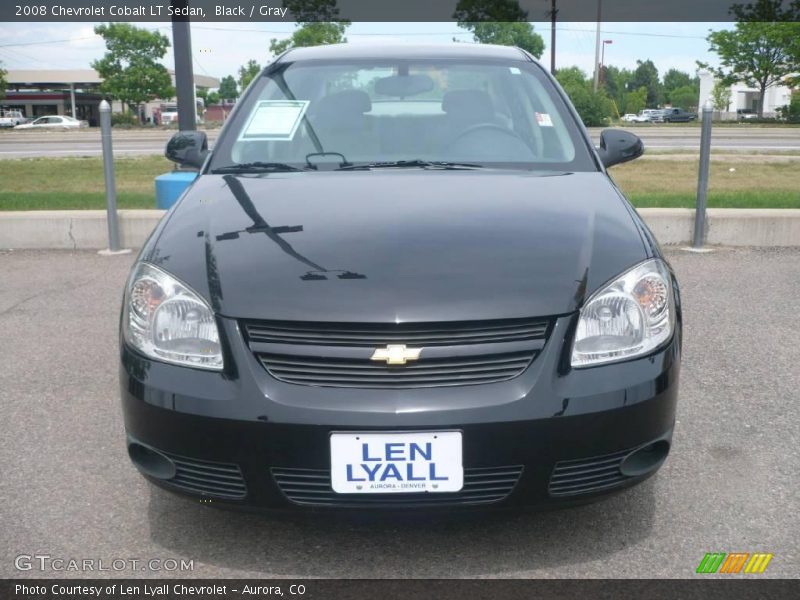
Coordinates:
(384, 463)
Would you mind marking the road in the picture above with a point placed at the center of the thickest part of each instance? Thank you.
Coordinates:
(32, 144)
(29, 144)
(730, 484)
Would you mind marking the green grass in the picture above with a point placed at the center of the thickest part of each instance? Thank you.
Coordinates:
(673, 183)
(77, 183)
(71, 200)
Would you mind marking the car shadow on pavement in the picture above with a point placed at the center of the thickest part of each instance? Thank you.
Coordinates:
(415, 545)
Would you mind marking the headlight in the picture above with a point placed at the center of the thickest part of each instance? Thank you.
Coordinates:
(631, 316)
(165, 320)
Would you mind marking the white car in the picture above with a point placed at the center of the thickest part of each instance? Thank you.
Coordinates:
(630, 118)
(11, 118)
(54, 122)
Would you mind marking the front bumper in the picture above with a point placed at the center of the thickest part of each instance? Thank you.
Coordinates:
(550, 436)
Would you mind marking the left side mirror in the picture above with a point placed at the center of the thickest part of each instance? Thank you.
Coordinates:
(188, 148)
(617, 146)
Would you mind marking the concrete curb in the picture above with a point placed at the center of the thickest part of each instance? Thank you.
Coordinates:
(74, 229)
(87, 229)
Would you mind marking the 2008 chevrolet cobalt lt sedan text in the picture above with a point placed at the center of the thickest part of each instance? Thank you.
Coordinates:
(402, 279)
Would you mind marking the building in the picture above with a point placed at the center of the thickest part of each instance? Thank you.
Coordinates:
(73, 92)
(744, 97)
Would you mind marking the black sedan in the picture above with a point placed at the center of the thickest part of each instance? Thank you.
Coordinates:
(402, 279)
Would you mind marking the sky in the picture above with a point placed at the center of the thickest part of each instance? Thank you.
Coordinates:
(219, 48)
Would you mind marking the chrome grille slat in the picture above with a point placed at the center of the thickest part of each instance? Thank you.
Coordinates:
(303, 487)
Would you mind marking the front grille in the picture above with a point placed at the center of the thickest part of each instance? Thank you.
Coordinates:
(380, 334)
(336, 372)
(586, 475)
(338, 354)
(312, 487)
(218, 480)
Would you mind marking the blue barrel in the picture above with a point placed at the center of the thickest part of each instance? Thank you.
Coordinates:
(170, 186)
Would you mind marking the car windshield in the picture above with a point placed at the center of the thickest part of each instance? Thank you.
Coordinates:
(403, 113)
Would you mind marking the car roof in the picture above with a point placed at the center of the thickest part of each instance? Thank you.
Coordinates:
(404, 51)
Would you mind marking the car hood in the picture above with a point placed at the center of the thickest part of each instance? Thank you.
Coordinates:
(395, 246)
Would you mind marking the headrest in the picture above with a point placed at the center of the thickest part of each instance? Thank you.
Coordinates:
(345, 103)
(475, 104)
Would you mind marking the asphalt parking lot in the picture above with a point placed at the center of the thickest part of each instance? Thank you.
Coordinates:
(731, 484)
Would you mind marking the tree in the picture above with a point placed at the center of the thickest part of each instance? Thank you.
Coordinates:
(319, 24)
(675, 80)
(687, 96)
(499, 22)
(3, 82)
(130, 69)
(248, 72)
(594, 109)
(763, 49)
(208, 97)
(721, 96)
(615, 81)
(519, 34)
(227, 88)
(636, 100)
(476, 11)
(646, 75)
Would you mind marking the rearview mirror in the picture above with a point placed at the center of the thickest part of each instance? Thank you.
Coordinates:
(617, 146)
(188, 148)
(403, 86)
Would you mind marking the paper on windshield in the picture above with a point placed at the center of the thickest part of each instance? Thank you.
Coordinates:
(544, 120)
(274, 120)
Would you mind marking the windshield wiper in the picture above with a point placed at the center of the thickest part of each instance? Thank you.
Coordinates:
(257, 167)
(415, 163)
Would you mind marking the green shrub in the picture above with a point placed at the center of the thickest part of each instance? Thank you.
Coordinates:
(124, 119)
(791, 112)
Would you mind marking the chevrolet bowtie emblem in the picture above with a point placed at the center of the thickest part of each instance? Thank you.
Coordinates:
(396, 354)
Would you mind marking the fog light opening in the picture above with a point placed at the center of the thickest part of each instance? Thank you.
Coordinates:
(645, 459)
(151, 462)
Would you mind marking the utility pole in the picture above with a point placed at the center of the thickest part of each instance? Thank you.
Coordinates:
(597, 49)
(184, 74)
(553, 15)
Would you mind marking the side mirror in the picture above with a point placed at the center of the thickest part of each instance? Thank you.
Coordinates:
(617, 146)
(188, 148)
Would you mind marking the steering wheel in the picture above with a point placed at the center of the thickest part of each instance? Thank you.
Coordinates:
(488, 127)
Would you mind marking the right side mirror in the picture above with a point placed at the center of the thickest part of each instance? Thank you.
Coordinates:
(188, 148)
(618, 146)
